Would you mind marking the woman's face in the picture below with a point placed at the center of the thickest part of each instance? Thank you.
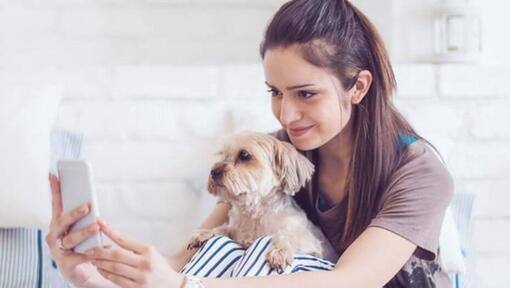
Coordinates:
(308, 101)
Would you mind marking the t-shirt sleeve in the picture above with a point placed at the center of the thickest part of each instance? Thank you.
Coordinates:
(414, 204)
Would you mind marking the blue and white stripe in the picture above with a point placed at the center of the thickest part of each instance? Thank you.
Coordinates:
(20, 258)
(220, 257)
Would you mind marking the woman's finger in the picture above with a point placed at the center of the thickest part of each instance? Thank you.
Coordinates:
(61, 225)
(56, 197)
(119, 269)
(122, 240)
(72, 239)
(116, 255)
(119, 280)
(69, 218)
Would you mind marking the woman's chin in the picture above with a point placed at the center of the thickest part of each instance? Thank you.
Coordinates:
(304, 144)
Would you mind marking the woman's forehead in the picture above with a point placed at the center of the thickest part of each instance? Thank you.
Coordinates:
(286, 67)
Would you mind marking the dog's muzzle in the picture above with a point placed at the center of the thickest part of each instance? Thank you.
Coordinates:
(216, 174)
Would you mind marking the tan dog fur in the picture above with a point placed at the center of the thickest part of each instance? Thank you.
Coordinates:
(257, 175)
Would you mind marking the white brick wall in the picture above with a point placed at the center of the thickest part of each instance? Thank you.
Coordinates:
(153, 84)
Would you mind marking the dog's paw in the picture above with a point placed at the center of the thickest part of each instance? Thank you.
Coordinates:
(199, 238)
(279, 259)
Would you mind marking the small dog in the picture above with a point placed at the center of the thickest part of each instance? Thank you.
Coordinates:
(257, 175)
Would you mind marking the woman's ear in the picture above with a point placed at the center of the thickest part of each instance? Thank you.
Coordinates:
(360, 88)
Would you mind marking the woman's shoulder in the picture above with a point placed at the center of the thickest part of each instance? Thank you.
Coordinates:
(422, 156)
(423, 167)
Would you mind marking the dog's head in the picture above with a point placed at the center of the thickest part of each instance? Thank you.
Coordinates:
(256, 166)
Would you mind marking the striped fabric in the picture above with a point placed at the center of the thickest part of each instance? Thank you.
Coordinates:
(220, 257)
(20, 258)
(24, 256)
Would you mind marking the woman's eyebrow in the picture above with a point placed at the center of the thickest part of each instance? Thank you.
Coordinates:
(292, 87)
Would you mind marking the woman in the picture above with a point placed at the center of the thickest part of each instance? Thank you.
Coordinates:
(379, 192)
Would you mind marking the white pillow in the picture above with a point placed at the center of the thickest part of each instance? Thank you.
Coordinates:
(27, 112)
(452, 260)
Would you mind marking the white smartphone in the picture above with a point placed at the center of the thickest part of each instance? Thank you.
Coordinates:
(77, 187)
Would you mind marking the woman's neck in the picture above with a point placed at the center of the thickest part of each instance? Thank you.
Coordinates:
(333, 165)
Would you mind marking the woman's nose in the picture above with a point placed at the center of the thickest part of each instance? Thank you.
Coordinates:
(289, 112)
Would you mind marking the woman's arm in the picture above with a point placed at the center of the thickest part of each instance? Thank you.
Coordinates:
(371, 261)
(217, 217)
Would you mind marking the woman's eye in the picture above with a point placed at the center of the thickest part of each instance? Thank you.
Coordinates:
(244, 155)
(273, 92)
(305, 94)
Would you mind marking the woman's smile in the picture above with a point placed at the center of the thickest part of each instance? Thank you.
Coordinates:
(299, 131)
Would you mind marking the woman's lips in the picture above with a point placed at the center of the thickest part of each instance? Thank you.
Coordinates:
(297, 132)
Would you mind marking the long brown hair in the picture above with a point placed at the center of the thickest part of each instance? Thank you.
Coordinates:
(335, 35)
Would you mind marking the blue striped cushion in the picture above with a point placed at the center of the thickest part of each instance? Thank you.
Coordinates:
(20, 258)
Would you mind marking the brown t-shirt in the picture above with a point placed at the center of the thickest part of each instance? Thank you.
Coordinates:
(412, 206)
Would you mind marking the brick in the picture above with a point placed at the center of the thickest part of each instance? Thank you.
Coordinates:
(95, 3)
(30, 4)
(98, 119)
(243, 81)
(29, 76)
(165, 22)
(161, 200)
(123, 161)
(491, 196)
(110, 207)
(218, 51)
(83, 22)
(155, 120)
(86, 51)
(251, 115)
(492, 270)
(224, 3)
(143, 120)
(473, 81)
(178, 120)
(167, 237)
(165, 82)
(201, 119)
(415, 81)
(88, 82)
(435, 119)
(22, 22)
(443, 130)
(490, 120)
(480, 161)
(37, 50)
(491, 235)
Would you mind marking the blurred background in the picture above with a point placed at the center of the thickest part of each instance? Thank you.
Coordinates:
(153, 84)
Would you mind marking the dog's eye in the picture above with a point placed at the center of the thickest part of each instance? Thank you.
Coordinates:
(244, 155)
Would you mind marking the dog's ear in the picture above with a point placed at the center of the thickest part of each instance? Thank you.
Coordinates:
(292, 168)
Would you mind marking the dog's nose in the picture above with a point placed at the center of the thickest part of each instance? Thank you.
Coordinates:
(216, 173)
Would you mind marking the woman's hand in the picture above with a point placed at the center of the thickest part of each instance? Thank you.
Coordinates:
(75, 267)
(136, 265)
